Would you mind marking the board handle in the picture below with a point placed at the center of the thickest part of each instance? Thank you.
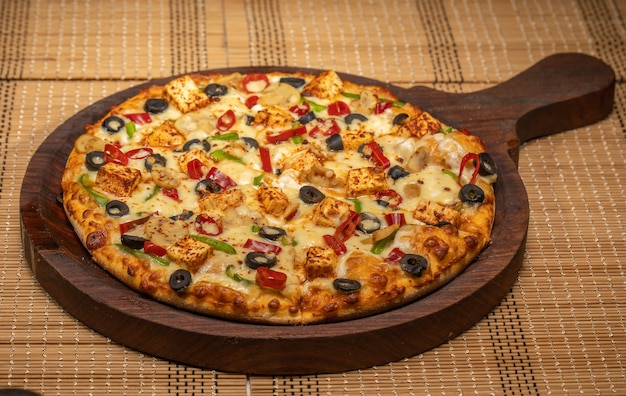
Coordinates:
(561, 92)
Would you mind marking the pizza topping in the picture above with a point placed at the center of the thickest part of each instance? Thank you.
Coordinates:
(295, 82)
(206, 187)
(335, 142)
(334, 243)
(262, 247)
(311, 195)
(131, 225)
(156, 105)
(352, 117)
(154, 249)
(116, 208)
(269, 278)
(180, 279)
(346, 285)
(216, 244)
(133, 241)
(207, 225)
(154, 160)
(255, 82)
(272, 233)
(466, 158)
(254, 260)
(94, 160)
(414, 264)
(389, 199)
(487, 165)
(374, 153)
(222, 179)
(471, 193)
(113, 154)
(197, 143)
(368, 223)
(226, 121)
(400, 119)
(139, 118)
(230, 272)
(382, 237)
(113, 124)
(397, 172)
(214, 90)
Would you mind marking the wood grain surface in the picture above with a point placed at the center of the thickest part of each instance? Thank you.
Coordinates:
(561, 92)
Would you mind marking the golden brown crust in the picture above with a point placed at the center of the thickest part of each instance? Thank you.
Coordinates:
(206, 218)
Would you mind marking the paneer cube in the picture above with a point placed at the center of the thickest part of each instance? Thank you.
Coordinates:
(329, 212)
(164, 135)
(190, 252)
(274, 118)
(365, 181)
(320, 262)
(430, 212)
(273, 200)
(230, 198)
(326, 85)
(118, 179)
(421, 124)
(185, 94)
(301, 162)
(352, 140)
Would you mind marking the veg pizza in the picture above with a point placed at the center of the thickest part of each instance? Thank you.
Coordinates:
(278, 198)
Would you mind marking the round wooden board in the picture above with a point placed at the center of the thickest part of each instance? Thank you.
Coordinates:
(562, 92)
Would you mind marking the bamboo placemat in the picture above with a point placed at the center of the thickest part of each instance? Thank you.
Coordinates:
(562, 327)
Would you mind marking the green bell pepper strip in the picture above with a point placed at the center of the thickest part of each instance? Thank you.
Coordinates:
(257, 180)
(230, 272)
(451, 174)
(215, 244)
(101, 199)
(358, 206)
(316, 107)
(154, 192)
(220, 155)
(225, 136)
(139, 254)
(380, 245)
(130, 129)
(396, 103)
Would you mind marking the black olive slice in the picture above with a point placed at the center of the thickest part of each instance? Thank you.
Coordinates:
(250, 142)
(334, 142)
(400, 119)
(116, 208)
(471, 193)
(295, 82)
(354, 117)
(207, 186)
(203, 144)
(156, 105)
(94, 160)
(113, 124)
(154, 159)
(487, 165)
(369, 223)
(249, 120)
(311, 195)
(214, 90)
(185, 215)
(397, 172)
(180, 279)
(255, 260)
(133, 241)
(346, 285)
(272, 233)
(414, 264)
(308, 117)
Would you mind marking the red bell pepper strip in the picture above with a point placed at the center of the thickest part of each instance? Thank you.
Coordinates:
(266, 160)
(301, 109)
(376, 156)
(335, 244)
(346, 229)
(171, 193)
(221, 178)
(255, 82)
(154, 249)
(130, 225)
(394, 255)
(251, 101)
(262, 247)
(194, 169)
(207, 225)
(338, 108)
(330, 128)
(287, 134)
(382, 106)
(392, 198)
(226, 121)
(267, 277)
(139, 153)
(139, 118)
(466, 158)
(113, 154)
(395, 218)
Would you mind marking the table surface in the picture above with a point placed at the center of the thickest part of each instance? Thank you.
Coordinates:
(562, 327)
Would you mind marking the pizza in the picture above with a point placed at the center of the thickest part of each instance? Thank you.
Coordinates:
(278, 198)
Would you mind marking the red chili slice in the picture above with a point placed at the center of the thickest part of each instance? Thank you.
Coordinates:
(113, 154)
(394, 255)
(262, 247)
(154, 249)
(466, 158)
(171, 193)
(266, 160)
(226, 120)
(267, 277)
(139, 118)
(251, 101)
(287, 134)
(301, 109)
(335, 244)
(338, 108)
(382, 106)
(395, 218)
(221, 178)
(255, 82)
(194, 169)
(139, 153)
(392, 198)
(346, 229)
(207, 225)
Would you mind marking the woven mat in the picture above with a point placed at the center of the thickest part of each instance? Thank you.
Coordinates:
(562, 327)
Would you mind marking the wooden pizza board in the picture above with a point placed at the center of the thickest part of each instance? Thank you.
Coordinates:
(561, 92)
